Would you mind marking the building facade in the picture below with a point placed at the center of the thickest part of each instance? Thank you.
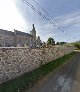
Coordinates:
(17, 38)
(6, 38)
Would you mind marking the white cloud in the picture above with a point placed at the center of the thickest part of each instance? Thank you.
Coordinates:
(9, 16)
(71, 19)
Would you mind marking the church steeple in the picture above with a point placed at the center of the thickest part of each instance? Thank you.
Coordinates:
(33, 33)
(33, 27)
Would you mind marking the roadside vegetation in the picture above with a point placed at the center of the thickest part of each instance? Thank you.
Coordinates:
(77, 45)
(28, 80)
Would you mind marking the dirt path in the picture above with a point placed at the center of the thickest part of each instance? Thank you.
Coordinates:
(64, 79)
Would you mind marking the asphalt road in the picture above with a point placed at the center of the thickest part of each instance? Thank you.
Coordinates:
(65, 79)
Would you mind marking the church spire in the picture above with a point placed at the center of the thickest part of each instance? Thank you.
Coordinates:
(33, 27)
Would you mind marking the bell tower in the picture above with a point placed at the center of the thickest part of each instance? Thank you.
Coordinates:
(33, 33)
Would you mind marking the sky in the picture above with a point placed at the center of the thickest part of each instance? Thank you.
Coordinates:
(16, 14)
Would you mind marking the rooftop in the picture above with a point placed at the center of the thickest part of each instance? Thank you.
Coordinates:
(23, 33)
(5, 32)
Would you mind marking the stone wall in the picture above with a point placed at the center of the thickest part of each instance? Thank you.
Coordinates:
(17, 61)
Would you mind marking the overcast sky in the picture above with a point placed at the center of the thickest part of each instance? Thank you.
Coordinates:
(15, 14)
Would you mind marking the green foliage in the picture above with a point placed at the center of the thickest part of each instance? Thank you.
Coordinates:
(77, 45)
(62, 43)
(28, 80)
(57, 43)
(51, 41)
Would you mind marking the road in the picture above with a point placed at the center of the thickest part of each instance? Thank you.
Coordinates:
(65, 79)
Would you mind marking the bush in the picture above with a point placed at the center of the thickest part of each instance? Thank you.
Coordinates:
(77, 45)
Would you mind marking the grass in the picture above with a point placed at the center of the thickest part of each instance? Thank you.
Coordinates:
(28, 80)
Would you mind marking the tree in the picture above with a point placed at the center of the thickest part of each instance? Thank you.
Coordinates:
(77, 45)
(57, 43)
(62, 43)
(51, 41)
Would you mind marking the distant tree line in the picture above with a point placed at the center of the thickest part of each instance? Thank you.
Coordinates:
(61, 43)
(51, 41)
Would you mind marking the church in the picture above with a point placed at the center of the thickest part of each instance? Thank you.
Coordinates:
(17, 38)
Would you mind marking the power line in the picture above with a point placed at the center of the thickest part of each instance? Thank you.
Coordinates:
(40, 14)
(46, 12)
(41, 7)
(37, 11)
(58, 25)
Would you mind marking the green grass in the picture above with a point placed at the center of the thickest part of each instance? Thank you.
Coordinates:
(28, 80)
